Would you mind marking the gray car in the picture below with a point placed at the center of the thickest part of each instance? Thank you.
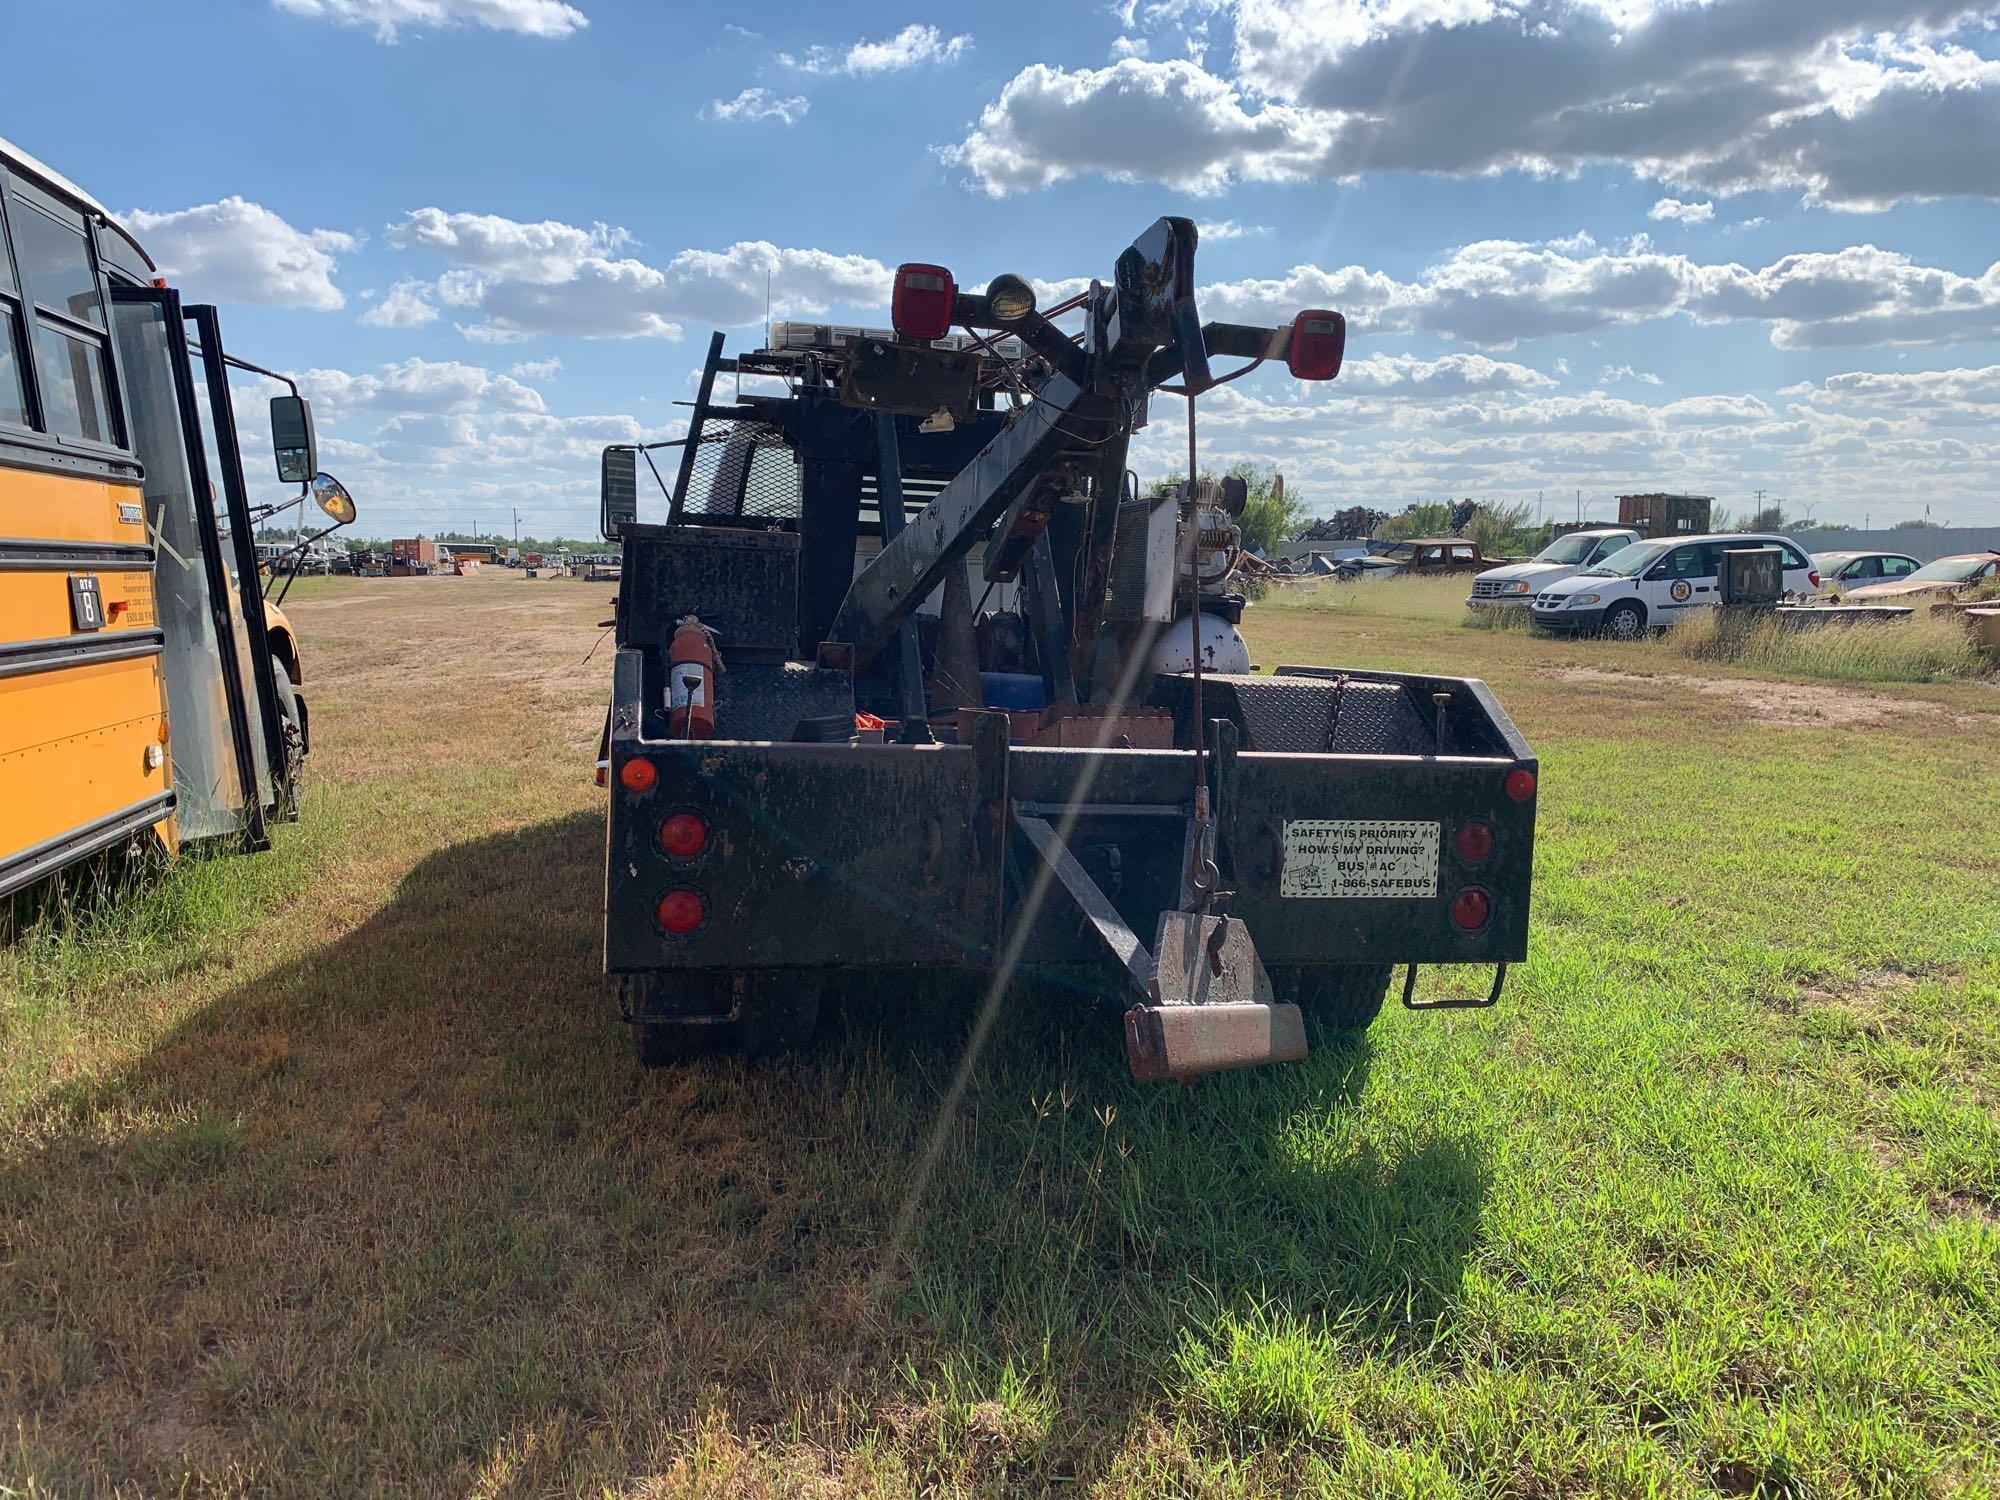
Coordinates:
(1840, 572)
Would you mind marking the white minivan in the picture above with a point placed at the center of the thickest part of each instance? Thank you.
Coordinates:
(1516, 584)
(1651, 584)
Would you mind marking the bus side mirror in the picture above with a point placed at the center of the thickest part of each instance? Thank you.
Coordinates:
(618, 496)
(331, 496)
(292, 438)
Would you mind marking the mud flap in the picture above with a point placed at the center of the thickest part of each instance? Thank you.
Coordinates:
(1212, 1005)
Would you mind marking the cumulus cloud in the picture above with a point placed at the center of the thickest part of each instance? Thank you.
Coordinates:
(1615, 373)
(553, 278)
(387, 18)
(755, 104)
(536, 369)
(421, 387)
(915, 46)
(1406, 375)
(1229, 229)
(407, 305)
(235, 249)
(1684, 213)
(1496, 293)
(1843, 100)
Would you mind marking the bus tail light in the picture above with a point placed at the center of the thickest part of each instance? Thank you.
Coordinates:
(682, 910)
(1471, 909)
(684, 835)
(921, 305)
(1319, 340)
(637, 775)
(1521, 785)
(1473, 842)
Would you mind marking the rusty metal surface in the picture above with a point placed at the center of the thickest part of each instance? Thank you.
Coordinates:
(1207, 960)
(1182, 1042)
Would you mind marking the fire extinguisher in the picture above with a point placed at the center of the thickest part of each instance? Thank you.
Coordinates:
(693, 664)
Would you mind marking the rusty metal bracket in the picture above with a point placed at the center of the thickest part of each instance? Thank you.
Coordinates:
(1470, 1002)
(1112, 929)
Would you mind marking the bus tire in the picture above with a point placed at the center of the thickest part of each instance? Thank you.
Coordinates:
(1344, 998)
(291, 724)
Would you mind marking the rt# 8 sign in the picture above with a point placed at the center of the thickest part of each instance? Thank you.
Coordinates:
(1345, 857)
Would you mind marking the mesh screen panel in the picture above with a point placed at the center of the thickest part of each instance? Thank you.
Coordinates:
(743, 469)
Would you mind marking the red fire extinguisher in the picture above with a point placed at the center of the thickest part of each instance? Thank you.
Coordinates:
(692, 667)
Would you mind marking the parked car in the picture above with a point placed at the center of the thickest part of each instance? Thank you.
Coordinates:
(1943, 579)
(1843, 572)
(1649, 585)
(1514, 585)
(1420, 556)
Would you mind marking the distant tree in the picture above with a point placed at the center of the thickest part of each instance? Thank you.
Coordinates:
(1769, 518)
(1916, 523)
(1829, 526)
(1269, 516)
(1424, 518)
(1501, 530)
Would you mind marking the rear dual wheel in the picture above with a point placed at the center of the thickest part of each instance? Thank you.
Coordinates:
(1344, 998)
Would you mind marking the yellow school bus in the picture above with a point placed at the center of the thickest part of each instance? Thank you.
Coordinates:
(147, 691)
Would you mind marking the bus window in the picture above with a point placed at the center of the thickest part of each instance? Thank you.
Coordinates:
(52, 250)
(13, 388)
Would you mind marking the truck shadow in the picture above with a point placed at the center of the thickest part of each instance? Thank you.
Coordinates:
(409, 1195)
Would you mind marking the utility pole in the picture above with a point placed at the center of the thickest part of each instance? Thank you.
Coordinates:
(517, 528)
(1579, 507)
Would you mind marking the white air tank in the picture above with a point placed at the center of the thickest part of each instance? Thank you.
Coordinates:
(1223, 648)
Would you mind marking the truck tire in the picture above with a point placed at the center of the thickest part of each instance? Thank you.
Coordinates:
(674, 1015)
(1624, 621)
(292, 725)
(1344, 998)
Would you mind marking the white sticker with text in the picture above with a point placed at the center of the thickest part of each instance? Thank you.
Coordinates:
(1352, 857)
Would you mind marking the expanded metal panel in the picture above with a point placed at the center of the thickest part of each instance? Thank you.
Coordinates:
(1305, 714)
(743, 470)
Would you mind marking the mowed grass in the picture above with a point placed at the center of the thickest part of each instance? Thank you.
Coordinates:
(345, 1183)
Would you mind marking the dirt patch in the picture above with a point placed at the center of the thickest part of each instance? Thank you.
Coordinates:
(1963, 1205)
(1868, 996)
(1790, 703)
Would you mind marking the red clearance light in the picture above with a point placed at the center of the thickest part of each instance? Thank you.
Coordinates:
(1521, 785)
(921, 306)
(637, 775)
(1473, 842)
(681, 911)
(1319, 340)
(684, 835)
(1471, 909)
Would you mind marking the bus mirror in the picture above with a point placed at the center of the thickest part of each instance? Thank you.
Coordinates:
(618, 493)
(292, 438)
(331, 496)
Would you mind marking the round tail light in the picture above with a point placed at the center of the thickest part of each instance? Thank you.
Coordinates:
(637, 776)
(1473, 842)
(684, 835)
(1471, 909)
(682, 910)
(1521, 785)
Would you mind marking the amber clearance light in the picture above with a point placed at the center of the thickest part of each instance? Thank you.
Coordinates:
(637, 775)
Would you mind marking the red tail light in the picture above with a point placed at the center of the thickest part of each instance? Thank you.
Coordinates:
(681, 911)
(1471, 909)
(1521, 785)
(637, 776)
(921, 306)
(1813, 574)
(1319, 340)
(1473, 842)
(684, 835)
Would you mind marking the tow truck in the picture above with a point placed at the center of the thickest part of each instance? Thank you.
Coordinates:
(823, 757)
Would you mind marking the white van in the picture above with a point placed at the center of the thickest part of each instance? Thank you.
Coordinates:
(1651, 584)
(1516, 584)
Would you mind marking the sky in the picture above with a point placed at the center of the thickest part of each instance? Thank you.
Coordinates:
(1584, 247)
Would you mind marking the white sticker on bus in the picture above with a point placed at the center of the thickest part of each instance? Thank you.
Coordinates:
(1333, 857)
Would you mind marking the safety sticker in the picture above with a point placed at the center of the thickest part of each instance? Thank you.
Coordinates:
(1354, 857)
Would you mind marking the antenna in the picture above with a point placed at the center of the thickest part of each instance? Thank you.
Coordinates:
(767, 307)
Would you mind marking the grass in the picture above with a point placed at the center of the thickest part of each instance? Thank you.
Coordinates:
(1922, 648)
(344, 1183)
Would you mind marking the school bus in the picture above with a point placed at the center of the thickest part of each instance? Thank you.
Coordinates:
(148, 692)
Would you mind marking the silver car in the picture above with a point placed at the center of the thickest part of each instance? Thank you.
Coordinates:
(1840, 572)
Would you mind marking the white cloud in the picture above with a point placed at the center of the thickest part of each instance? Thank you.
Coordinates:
(1615, 373)
(536, 369)
(538, 18)
(241, 250)
(407, 305)
(1684, 213)
(758, 104)
(1229, 229)
(554, 278)
(421, 387)
(1843, 100)
(915, 46)
(1406, 375)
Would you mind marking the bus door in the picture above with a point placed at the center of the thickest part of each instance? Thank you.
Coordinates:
(215, 692)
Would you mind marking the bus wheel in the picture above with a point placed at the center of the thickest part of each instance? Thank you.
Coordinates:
(292, 726)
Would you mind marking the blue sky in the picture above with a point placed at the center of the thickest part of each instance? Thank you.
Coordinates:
(1596, 245)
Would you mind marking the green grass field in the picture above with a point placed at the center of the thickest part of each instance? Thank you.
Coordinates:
(327, 1172)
